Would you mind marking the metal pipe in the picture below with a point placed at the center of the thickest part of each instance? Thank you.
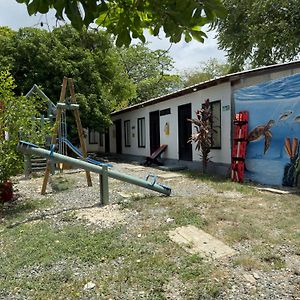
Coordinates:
(33, 149)
(68, 106)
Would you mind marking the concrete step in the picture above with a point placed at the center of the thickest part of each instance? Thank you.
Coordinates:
(38, 169)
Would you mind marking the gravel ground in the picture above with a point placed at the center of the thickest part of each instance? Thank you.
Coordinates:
(243, 285)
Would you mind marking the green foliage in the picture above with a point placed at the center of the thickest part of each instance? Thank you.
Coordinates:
(105, 78)
(128, 19)
(149, 71)
(260, 32)
(208, 70)
(40, 57)
(16, 117)
(60, 183)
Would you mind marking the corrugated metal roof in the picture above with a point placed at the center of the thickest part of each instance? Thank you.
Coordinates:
(210, 83)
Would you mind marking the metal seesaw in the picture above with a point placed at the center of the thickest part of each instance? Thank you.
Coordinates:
(103, 171)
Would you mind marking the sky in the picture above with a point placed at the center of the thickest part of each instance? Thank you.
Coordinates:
(187, 56)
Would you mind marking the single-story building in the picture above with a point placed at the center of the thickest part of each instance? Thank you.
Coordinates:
(140, 129)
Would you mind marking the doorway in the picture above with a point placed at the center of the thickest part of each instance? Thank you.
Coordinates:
(118, 125)
(184, 132)
(154, 131)
(107, 141)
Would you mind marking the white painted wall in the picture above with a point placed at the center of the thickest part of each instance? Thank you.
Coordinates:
(94, 147)
(221, 92)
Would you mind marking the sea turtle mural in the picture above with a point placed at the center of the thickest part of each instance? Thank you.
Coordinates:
(274, 115)
(260, 132)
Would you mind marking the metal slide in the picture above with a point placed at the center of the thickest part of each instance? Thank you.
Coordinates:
(79, 153)
(29, 148)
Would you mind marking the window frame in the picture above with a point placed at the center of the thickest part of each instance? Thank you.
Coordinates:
(216, 126)
(141, 132)
(127, 133)
(94, 140)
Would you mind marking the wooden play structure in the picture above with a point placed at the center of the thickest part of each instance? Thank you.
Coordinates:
(64, 105)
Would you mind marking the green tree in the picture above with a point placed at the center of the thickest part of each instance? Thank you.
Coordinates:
(208, 70)
(36, 56)
(150, 72)
(16, 117)
(260, 32)
(127, 19)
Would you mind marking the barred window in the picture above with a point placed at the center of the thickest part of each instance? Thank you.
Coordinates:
(127, 133)
(141, 133)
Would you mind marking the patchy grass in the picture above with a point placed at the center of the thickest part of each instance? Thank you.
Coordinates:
(55, 258)
(42, 260)
(61, 183)
(220, 184)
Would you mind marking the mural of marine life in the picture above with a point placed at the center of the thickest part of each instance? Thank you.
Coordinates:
(291, 169)
(284, 116)
(297, 119)
(274, 119)
(260, 132)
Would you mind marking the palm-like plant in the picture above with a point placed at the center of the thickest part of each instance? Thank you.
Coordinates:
(202, 135)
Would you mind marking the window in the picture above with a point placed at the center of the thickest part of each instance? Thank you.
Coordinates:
(164, 112)
(141, 133)
(127, 133)
(92, 136)
(216, 124)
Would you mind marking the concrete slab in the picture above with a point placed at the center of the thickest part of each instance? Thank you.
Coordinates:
(134, 168)
(195, 240)
(172, 168)
(168, 175)
(276, 191)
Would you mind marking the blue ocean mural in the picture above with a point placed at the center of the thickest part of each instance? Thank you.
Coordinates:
(274, 130)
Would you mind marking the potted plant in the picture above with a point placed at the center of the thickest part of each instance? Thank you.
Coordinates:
(202, 136)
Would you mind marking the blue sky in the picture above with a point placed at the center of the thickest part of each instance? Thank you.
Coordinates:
(186, 56)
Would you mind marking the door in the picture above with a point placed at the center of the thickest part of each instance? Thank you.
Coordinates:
(184, 132)
(107, 142)
(118, 125)
(154, 131)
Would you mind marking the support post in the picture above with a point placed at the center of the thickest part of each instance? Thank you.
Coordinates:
(79, 128)
(54, 135)
(27, 166)
(104, 192)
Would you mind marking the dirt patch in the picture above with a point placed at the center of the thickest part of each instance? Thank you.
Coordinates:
(107, 216)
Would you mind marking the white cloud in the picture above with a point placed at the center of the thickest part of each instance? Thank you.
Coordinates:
(186, 56)
(189, 55)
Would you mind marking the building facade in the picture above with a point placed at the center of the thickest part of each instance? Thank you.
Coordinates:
(140, 129)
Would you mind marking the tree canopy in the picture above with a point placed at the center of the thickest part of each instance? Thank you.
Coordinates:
(260, 32)
(37, 56)
(150, 72)
(208, 70)
(128, 19)
(106, 78)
